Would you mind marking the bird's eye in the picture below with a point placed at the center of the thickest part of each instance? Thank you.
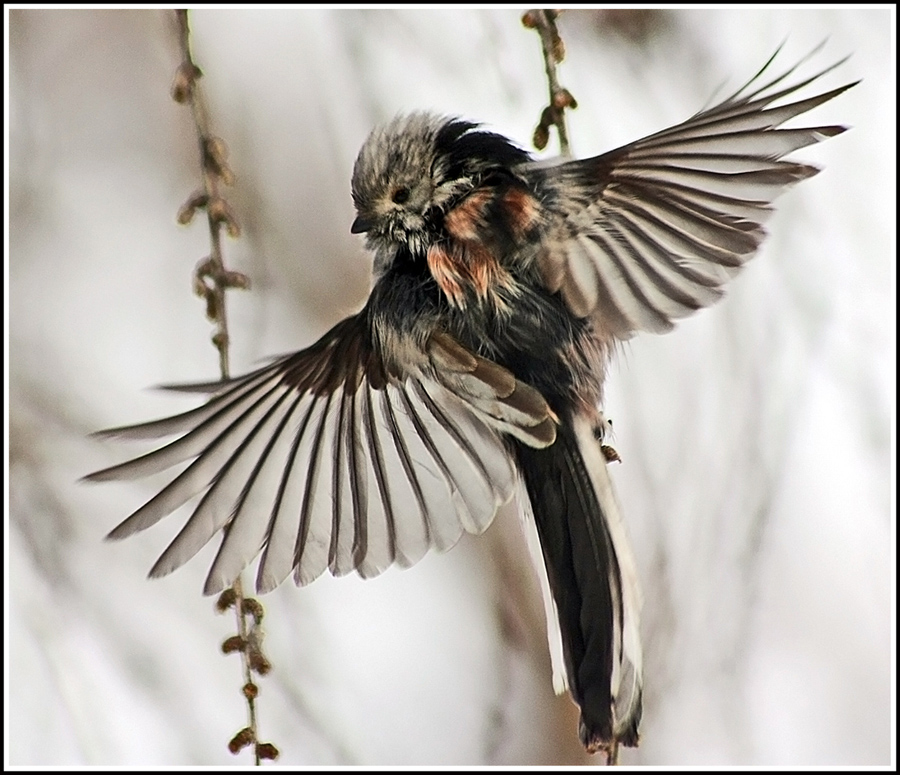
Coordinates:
(400, 196)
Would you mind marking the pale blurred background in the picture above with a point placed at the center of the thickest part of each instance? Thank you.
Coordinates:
(757, 439)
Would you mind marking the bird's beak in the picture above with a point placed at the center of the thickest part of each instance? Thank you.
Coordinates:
(360, 225)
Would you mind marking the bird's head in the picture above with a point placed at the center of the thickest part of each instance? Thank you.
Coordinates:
(413, 170)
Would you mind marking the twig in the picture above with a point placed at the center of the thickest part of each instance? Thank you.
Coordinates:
(544, 21)
(248, 642)
(210, 281)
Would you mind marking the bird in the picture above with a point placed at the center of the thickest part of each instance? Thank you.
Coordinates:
(474, 373)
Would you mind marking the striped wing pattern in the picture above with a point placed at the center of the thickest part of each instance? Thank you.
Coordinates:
(320, 460)
(658, 226)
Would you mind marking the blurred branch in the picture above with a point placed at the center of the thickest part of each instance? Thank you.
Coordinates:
(211, 280)
(544, 22)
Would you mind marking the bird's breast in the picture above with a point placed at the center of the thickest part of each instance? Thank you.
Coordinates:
(469, 274)
(481, 237)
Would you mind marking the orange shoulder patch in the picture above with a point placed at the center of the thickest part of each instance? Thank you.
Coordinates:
(522, 211)
(465, 221)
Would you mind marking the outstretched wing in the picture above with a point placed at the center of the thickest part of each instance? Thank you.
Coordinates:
(650, 232)
(325, 459)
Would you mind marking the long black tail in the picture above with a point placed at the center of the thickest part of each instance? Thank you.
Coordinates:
(593, 582)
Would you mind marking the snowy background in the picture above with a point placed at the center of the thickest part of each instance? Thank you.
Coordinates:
(757, 438)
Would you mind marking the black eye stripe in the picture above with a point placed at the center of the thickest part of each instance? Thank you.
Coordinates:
(400, 196)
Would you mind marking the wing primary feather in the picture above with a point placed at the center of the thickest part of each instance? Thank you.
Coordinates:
(376, 459)
(746, 118)
(284, 525)
(420, 427)
(753, 111)
(748, 98)
(406, 462)
(754, 210)
(761, 185)
(665, 299)
(429, 445)
(621, 283)
(219, 504)
(673, 251)
(723, 231)
(495, 489)
(685, 240)
(304, 571)
(729, 219)
(216, 386)
(187, 422)
(246, 532)
(452, 430)
(739, 102)
(670, 271)
(358, 493)
(194, 479)
(750, 146)
(759, 73)
(337, 474)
